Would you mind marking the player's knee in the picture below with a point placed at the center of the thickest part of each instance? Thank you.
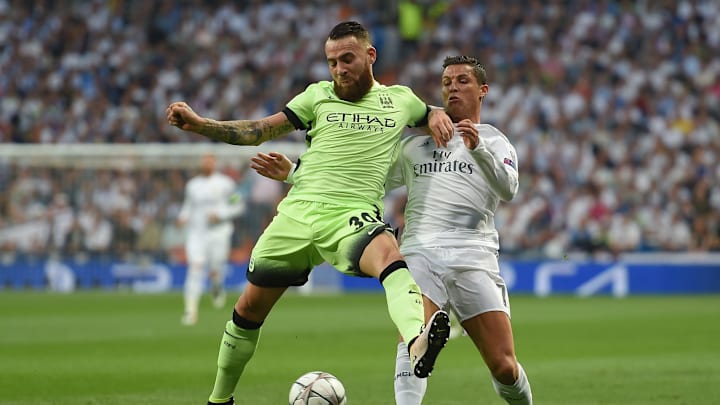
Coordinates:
(391, 268)
(195, 269)
(250, 310)
(380, 252)
(504, 369)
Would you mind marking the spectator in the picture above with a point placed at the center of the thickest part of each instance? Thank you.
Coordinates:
(624, 234)
(98, 230)
(604, 96)
(149, 239)
(61, 222)
(124, 236)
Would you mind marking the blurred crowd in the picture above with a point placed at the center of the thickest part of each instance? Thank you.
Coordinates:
(613, 107)
(125, 213)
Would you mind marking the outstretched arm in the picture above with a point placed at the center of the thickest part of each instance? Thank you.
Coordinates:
(240, 132)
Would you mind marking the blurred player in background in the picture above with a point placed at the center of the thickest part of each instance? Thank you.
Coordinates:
(334, 211)
(450, 241)
(208, 209)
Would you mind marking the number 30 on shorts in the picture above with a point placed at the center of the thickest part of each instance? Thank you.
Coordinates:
(365, 217)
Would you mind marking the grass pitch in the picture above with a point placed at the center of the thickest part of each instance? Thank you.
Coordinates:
(100, 348)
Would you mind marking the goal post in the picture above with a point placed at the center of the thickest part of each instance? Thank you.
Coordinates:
(135, 156)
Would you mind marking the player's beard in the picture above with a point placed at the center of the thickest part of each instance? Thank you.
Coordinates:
(357, 90)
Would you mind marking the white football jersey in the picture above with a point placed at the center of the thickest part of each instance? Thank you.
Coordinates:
(205, 195)
(453, 192)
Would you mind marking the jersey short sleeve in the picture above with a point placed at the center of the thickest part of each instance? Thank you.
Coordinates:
(300, 110)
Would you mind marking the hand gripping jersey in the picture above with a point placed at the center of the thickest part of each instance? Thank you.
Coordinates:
(351, 145)
(453, 192)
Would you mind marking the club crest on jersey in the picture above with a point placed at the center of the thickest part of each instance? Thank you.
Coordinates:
(385, 101)
(510, 162)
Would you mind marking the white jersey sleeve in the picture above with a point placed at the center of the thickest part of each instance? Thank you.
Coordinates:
(453, 192)
(496, 158)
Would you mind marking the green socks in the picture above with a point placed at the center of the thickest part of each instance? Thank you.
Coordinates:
(404, 301)
(236, 349)
(237, 346)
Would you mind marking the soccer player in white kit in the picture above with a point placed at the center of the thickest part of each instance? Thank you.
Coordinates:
(450, 241)
(209, 206)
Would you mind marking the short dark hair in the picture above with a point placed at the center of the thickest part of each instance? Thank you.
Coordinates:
(478, 69)
(350, 28)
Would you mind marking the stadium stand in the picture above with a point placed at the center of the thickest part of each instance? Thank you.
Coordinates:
(613, 106)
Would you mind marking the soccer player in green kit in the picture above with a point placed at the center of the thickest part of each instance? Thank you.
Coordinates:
(334, 211)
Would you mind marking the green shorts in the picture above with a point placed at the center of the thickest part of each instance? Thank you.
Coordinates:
(305, 234)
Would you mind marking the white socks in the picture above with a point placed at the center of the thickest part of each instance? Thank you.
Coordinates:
(194, 286)
(409, 390)
(518, 393)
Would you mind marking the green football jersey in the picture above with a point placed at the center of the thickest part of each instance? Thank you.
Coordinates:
(351, 145)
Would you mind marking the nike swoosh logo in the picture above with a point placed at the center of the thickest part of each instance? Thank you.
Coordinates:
(414, 292)
(372, 231)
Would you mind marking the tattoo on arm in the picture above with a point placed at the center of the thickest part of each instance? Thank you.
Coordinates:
(244, 132)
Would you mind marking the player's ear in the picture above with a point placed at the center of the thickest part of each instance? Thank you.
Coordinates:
(372, 54)
(484, 88)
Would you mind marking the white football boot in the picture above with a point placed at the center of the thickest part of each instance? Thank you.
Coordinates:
(426, 347)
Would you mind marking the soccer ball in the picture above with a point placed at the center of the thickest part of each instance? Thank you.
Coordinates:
(317, 388)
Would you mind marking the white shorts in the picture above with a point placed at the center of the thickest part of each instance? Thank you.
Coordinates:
(208, 250)
(466, 281)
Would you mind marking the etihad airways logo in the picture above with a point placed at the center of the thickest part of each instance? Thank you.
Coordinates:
(361, 121)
